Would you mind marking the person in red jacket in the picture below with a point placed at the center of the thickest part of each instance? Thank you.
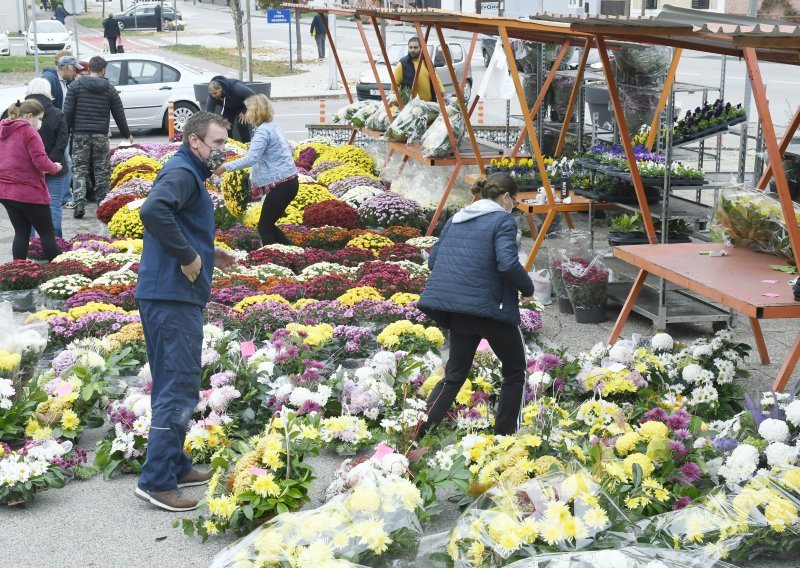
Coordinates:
(23, 191)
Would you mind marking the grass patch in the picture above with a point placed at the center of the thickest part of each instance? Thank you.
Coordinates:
(229, 58)
(22, 63)
(90, 22)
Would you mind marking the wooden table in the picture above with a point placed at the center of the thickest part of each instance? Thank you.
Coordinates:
(735, 281)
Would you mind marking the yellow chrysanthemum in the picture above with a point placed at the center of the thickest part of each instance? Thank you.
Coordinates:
(265, 486)
(126, 222)
(69, 420)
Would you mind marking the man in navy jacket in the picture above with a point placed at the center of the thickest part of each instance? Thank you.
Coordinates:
(231, 94)
(173, 288)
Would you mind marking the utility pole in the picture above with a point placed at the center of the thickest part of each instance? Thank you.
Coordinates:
(752, 12)
(297, 30)
(249, 53)
(35, 38)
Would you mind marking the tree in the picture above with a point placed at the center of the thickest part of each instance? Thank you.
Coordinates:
(238, 21)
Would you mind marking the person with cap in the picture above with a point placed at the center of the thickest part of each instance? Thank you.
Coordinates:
(231, 94)
(67, 67)
(88, 107)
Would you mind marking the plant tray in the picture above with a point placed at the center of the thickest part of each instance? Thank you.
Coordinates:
(627, 198)
(621, 239)
(708, 132)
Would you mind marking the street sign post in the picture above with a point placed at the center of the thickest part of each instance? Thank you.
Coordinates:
(282, 17)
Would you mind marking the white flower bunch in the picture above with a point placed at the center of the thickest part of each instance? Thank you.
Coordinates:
(322, 268)
(122, 258)
(773, 430)
(124, 442)
(262, 271)
(123, 277)
(359, 194)
(22, 468)
(662, 342)
(423, 242)
(793, 413)
(412, 267)
(212, 336)
(781, 455)
(62, 287)
(348, 429)
(288, 249)
(740, 465)
(442, 460)
(6, 393)
(301, 395)
(84, 256)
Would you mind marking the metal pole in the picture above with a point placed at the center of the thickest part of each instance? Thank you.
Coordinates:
(75, 27)
(35, 38)
(249, 54)
(174, 19)
(290, 40)
(748, 95)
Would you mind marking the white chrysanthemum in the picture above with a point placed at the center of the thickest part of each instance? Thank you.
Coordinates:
(793, 412)
(691, 372)
(774, 430)
(780, 455)
(741, 464)
(539, 378)
(662, 342)
(620, 353)
(702, 351)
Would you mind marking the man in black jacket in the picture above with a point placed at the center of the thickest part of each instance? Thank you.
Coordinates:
(231, 94)
(87, 106)
(111, 32)
(318, 31)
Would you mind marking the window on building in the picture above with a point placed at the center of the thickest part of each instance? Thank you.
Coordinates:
(700, 4)
(651, 4)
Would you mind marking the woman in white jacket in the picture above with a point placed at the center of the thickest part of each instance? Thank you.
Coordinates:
(273, 173)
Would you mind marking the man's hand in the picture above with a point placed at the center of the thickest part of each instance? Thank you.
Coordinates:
(242, 119)
(220, 170)
(527, 300)
(224, 259)
(130, 138)
(192, 270)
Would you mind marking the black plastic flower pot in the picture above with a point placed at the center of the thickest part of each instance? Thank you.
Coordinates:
(590, 315)
(564, 306)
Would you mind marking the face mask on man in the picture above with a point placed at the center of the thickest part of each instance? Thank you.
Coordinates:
(216, 157)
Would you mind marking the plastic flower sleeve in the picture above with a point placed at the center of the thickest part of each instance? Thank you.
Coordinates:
(746, 217)
(361, 116)
(375, 518)
(586, 282)
(345, 113)
(628, 557)
(26, 341)
(412, 121)
(436, 141)
(562, 246)
(760, 518)
(551, 513)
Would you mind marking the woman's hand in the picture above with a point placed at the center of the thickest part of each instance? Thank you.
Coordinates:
(59, 167)
(220, 170)
(224, 259)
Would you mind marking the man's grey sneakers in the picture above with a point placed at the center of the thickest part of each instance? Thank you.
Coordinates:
(195, 477)
(174, 500)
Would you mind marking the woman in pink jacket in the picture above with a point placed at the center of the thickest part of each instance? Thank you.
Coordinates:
(23, 191)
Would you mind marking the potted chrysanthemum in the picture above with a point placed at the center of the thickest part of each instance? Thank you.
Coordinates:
(586, 283)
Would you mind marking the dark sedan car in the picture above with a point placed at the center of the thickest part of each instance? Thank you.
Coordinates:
(143, 16)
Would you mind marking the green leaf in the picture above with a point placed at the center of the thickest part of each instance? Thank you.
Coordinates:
(248, 511)
(281, 508)
(160, 538)
(637, 474)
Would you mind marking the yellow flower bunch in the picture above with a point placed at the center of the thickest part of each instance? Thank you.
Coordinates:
(320, 147)
(236, 146)
(128, 245)
(203, 438)
(45, 315)
(308, 193)
(259, 299)
(601, 415)
(91, 308)
(236, 191)
(403, 333)
(9, 361)
(292, 216)
(404, 298)
(349, 154)
(148, 175)
(370, 241)
(252, 215)
(609, 382)
(344, 171)
(303, 302)
(315, 335)
(127, 223)
(357, 294)
(220, 244)
(138, 161)
(129, 333)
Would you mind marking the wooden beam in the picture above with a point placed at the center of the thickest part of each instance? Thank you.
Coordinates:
(773, 150)
(662, 101)
(625, 137)
(375, 73)
(785, 141)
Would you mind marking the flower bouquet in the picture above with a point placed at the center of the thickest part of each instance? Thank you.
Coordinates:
(436, 140)
(586, 283)
(551, 513)
(753, 219)
(412, 121)
(258, 479)
(32, 468)
(362, 114)
(371, 522)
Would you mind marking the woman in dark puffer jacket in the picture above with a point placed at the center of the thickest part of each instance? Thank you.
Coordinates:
(474, 291)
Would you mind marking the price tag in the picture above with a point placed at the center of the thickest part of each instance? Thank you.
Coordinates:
(136, 204)
(248, 348)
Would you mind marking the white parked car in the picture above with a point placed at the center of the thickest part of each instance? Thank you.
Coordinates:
(146, 84)
(5, 47)
(50, 36)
